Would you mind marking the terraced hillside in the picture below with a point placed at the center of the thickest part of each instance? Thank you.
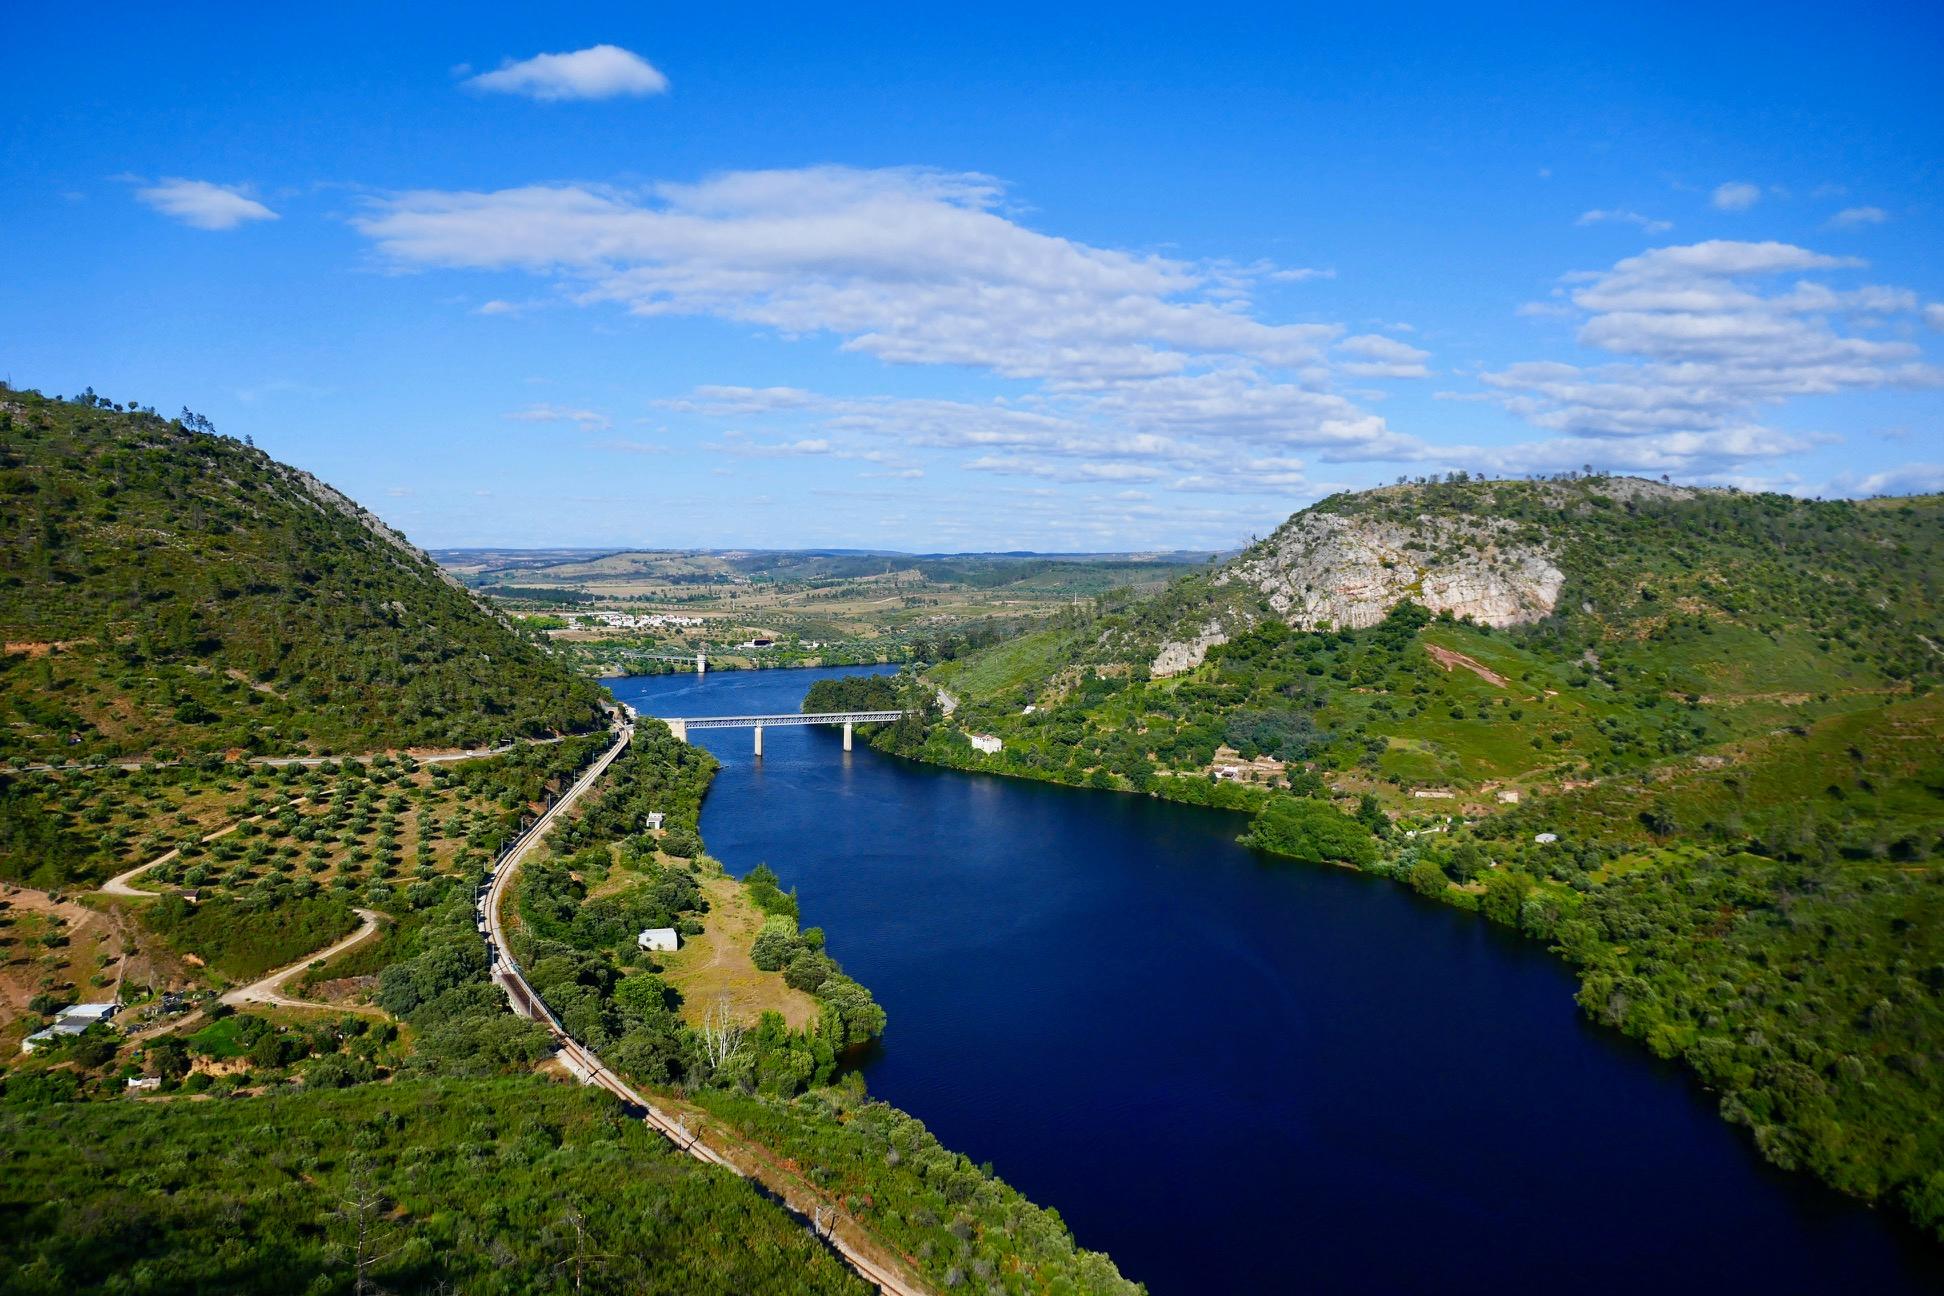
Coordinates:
(167, 590)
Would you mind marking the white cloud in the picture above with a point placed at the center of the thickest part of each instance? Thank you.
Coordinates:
(1934, 315)
(1735, 196)
(496, 307)
(598, 72)
(776, 449)
(204, 205)
(1066, 471)
(1120, 355)
(1851, 217)
(1129, 367)
(908, 265)
(1647, 223)
(1703, 342)
(586, 419)
(1906, 479)
(1377, 356)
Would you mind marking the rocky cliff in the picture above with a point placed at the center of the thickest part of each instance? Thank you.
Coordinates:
(1335, 570)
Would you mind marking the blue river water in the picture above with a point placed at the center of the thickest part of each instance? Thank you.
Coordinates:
(1238, 1075)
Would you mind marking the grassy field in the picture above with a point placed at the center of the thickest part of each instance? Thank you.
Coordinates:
(716, 964)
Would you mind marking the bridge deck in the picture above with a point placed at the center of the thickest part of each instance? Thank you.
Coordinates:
(787, 718)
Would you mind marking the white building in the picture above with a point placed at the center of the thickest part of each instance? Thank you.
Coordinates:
(653, 821)
(1546, 839)
(71, 1020)
(658, 938)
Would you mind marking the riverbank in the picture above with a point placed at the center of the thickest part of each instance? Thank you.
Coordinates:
(1380, 1057)
(1653, 922)
(569, 922)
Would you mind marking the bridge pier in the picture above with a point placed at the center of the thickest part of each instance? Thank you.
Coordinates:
(847, 735)
(701, 664)
(759, 740)
(678, 729)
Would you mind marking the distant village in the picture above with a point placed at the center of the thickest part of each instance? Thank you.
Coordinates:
(628, 621)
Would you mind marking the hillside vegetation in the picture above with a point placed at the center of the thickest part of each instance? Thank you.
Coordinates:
(167, 590)
(1687, 737)
(425, 1185)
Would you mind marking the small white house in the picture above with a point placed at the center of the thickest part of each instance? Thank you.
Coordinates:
(1546, 839)
(658, 938)
(654, 821)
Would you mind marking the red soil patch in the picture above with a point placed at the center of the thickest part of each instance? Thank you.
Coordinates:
(1448, 659)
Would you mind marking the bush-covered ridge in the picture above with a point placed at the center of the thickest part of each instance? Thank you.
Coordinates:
(168, 590)
(1863, 575)
(1713, 777)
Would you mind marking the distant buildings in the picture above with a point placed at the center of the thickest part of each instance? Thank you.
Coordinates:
(658, 938)
(647, 621)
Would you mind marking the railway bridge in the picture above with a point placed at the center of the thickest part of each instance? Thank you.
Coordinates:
(681, 726)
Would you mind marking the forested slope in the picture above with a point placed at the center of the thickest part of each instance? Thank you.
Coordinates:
(1689, 738)
(168, 590)
(483, 1186)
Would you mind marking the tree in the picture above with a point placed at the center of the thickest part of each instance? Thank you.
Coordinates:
(169, 1058)
(1371, 815)
(1427, 879)
(1467, 862)
(722, 1034)
(1312, 831)
(361, 1212)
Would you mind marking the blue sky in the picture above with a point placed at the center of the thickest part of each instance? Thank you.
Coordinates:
(1051, 277)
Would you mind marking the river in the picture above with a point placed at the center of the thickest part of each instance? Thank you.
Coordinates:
(1238, 1075)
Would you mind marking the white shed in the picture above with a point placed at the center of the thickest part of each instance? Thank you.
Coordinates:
(1546, 839)
(654, 821)
(658, 938)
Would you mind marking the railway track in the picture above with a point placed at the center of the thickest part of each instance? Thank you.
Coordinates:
(587, 1065)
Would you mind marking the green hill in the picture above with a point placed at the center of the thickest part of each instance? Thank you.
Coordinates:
(1689, 738)
(1578, 628)
(168, 591)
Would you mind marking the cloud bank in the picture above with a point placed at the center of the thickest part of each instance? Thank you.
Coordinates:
(1108, 365)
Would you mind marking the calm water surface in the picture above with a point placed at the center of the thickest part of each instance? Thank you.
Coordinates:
(1234, 1075)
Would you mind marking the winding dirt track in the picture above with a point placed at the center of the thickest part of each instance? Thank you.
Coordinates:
(269, 990)
(277, 762)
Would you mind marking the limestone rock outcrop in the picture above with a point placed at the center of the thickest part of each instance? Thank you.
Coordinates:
(1326, 569)
(1323, 570)
(1180, 656)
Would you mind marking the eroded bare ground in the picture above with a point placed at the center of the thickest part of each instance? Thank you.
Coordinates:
(1448, 659)
(59, 946)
